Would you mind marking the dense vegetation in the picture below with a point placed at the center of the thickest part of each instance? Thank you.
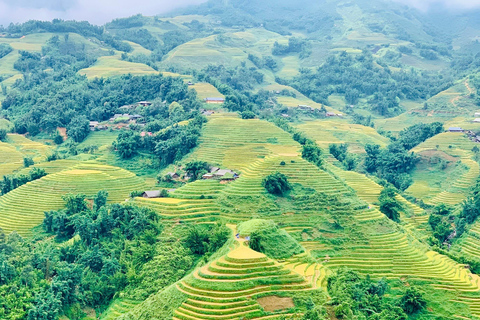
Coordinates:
(361, 76)
(395, 163)
(354, 296)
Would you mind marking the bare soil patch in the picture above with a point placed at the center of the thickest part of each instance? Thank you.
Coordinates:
(274, 303)
(63, 132)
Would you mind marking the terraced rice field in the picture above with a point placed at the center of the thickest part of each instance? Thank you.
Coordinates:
(461, 187)
(110, 66)
(455, 144)
(29, 148)
(23, 208)
(235, 143)
(228, 287)
(185, 210)
(394, 256)
(206, 90)
(297, 169)
(99, 138)
(119, 307)
(326, 132)
(10, 159)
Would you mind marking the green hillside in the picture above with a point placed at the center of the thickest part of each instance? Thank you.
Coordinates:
(242, 159)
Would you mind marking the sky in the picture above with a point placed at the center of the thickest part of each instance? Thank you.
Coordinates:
(102, 11)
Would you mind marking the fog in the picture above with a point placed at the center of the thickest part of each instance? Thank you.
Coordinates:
(457, 5)
(94, 11)
(102, 11)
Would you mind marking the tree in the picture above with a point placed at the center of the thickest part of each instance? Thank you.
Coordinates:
(3, 135)
(196, 169)
(127, 144)
(389, 205)
(276, 183)
(413, 301)
(312, 153)
(248, 114)
(100, 199)
(46, 306)
(58, 139)
(175, 108)
(27, 162)
(197, 241)
(78, 128)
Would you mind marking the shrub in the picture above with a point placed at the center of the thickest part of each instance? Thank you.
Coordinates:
(282, 163)
(3, 134)
(276, 183)
(248, 115)
(413, 301)
(27, 162)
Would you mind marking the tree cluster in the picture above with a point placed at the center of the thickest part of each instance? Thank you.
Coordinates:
(356, 297)
(359, 76)
(276, 184)
(11, 182)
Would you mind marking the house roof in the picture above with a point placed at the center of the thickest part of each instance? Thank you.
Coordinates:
(152, 194)
(214, 99)
(213, 169)
(223, 172)
(476, 120)
(330, 113)
(455, 129)
(94, 123)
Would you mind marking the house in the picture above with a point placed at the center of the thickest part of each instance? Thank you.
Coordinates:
(207, 176)
(285, 115)
(143, 134)
(126, 107)
(330, 114)
(190, 83)
(152, 194)
(101, 127)
(214, 100)
(477, 114)
(144, 103)
(476, 120)
(174, 175)
(455, 129)
(222, 172)
(207, 113)
(136, 117)
(93, 125)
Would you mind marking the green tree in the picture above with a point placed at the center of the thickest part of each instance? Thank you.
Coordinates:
(276, 183)
(27, 162)
(3, 135)
(58, 139)
(196, 169)
(100, 199)
(78, 128)
(127, 144)
(248, 114)
(389, 205)
(312, 153)
(413, 300)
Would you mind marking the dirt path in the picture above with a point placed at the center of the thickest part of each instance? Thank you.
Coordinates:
(470, 89)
